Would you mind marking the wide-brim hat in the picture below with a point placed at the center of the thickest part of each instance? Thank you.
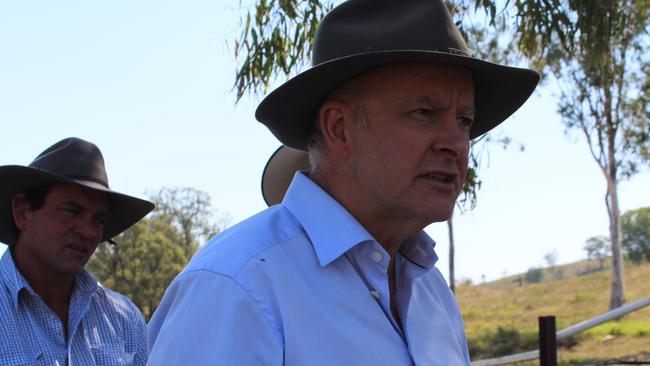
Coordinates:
(360, 35)
(279, 171)
(70, 161)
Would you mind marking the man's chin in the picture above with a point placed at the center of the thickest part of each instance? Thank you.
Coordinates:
(428, 218)
(439, 214)
(72, 267)
(440, 208)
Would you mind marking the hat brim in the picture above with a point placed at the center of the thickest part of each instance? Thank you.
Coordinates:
(279, 172)
(289, 110)
(124, 210)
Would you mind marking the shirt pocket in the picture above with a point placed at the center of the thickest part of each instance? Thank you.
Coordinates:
(110, 351)
(112, 355)
(108, 348)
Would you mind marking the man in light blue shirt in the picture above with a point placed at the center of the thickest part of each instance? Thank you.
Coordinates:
(53, 214)
(340, 272)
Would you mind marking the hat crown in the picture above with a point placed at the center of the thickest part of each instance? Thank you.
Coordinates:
(73, 158)
(362, 26)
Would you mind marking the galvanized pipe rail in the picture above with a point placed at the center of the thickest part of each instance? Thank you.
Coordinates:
(568, 332)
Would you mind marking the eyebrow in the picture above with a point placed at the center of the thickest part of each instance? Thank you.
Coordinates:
(437, 104)
(468, 110)
(76, 205)
(432, 102)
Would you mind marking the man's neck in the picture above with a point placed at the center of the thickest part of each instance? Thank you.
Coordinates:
(54, 289)
(390, 232)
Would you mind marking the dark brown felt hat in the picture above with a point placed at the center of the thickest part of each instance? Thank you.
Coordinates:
(360, 35)
(72, 161)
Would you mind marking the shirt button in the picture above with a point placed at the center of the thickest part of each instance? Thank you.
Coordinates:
(377, 257)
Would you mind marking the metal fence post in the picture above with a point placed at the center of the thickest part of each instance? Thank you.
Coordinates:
(547, 341)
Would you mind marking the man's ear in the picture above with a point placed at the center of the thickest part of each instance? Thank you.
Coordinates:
(335, 116)
(20, 210)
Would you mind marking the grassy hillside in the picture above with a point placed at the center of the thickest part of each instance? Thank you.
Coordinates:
(501, 317)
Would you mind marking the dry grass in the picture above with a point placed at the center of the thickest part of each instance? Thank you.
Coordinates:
(571, 300)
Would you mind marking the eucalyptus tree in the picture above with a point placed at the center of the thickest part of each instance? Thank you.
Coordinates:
(597, 52)
(598, 247)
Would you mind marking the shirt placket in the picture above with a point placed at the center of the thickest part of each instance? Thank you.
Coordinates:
(79, 306)
(405, 274)
(371, 262)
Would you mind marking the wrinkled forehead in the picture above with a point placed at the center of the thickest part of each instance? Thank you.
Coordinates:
(422, 76)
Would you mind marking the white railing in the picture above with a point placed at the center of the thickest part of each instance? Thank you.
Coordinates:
(568, 332)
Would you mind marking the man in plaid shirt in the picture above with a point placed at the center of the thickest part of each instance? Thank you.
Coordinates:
(53, 214)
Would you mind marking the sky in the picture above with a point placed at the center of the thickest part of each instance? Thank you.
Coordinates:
(150, 82)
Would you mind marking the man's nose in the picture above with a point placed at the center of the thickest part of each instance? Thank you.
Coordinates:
(451, 140)
(88, 228)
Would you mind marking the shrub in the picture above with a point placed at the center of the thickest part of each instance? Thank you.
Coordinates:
(503, 342)
(534, 275)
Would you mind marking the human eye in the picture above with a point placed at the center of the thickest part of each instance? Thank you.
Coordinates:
(422, 113)
(69, 210)
(100, 220)
(465, 122)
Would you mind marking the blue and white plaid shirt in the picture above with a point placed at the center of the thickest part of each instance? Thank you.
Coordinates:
(104, 327)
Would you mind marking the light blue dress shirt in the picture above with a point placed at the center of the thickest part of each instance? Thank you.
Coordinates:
(303, 283)
(104, 327)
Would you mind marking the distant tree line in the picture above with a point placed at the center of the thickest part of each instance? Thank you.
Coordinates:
(636, 234)
(636, 244)
(636, 238)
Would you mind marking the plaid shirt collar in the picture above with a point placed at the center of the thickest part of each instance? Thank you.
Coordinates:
(16, 282)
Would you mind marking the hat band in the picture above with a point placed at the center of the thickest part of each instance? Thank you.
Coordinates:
(454, 51)
(86, 178)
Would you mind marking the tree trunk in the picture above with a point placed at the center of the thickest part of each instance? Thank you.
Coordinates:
(452, 281)
(617, 297)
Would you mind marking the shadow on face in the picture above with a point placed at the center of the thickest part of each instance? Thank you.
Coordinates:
(59, 236)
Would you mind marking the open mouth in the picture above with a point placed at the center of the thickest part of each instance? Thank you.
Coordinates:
(439, 177)
(77, 248)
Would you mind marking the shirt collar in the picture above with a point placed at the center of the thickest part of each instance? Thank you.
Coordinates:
(330, 227)
(420, 249)
(86, 283)
(15, 281)
(333, 230)
(12, 278)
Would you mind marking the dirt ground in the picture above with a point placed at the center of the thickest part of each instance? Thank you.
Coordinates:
(642, 358)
